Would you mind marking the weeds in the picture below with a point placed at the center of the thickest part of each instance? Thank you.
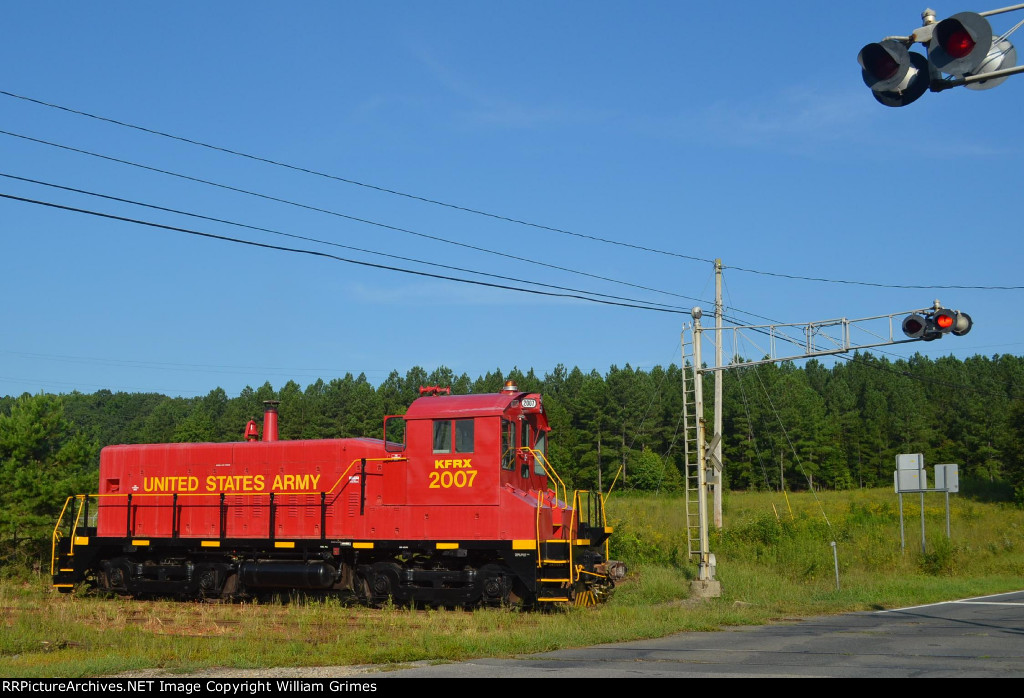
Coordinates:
(773, 564)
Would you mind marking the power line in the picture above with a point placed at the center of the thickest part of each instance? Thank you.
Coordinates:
(325, 255)
(375, 187)
(346, 216)
(875, 285)
(322, 242)
(508, 219)
(389, 255)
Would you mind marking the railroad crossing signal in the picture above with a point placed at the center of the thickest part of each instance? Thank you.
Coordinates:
(937, 323)
(895, 75)
(962, 47)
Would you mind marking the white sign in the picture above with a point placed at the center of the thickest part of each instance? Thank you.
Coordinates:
(910, 480)
(910, 461)
(947, 477)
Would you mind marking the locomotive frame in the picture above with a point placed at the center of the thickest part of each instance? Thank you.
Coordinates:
(468, 512)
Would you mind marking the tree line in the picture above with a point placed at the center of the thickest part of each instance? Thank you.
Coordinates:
(783, 426)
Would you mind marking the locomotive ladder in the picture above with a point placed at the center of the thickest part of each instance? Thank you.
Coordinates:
(555, 571)
(690, 424)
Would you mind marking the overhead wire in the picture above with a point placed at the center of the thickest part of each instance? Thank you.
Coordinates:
(750, 422)
(319, 241)
(325, 255)
(338, 214)
(346, 180)
(479, 212)
(796, 456)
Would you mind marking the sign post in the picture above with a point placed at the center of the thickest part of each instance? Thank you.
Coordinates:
(911, 476)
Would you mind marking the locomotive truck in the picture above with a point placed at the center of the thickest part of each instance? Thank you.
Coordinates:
(457, 505)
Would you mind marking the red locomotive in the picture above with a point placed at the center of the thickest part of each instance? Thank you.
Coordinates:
(457, 505)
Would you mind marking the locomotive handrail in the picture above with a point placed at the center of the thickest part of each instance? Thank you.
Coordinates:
(132, 495)
(536, 529)
(614, 480)
(602, 517)
(550, 471)
(239, 494)
(57, 534)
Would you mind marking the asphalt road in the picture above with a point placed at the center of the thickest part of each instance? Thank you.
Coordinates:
(979, 637)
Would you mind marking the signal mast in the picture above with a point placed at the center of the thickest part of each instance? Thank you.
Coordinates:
(822, 338)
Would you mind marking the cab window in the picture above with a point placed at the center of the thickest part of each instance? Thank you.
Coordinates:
(442, 436)
(463, 431)
(541, 445)
(464, 436)
(508, 440)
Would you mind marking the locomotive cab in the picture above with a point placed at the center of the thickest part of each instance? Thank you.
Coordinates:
(473, 449)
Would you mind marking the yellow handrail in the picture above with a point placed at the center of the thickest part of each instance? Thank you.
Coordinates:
(84, 497)
(614, 480)
(57, 535)
(217, 494)
(549, 470)
(536, 528)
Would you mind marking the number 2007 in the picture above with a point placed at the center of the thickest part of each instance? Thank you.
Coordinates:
(447, 478)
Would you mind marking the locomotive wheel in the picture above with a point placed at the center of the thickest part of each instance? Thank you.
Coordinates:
(384, 582)
(208, 584)
(496, 583)
(115, 576)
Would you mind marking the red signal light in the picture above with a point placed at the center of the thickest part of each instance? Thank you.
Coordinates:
(913, 326)
(944, 321)
(895, 75)
(879, 63)
(959, 43)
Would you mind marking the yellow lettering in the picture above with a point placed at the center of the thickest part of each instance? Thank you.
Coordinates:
(316, 479)
(438, 463)
(193, 483)
(289, 482)
(447, 464)
(446, 480)
(259, 483)
(277, 483)
(466, 463)
(211, 483)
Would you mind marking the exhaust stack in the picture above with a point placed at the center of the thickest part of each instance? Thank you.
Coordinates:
(270, 420)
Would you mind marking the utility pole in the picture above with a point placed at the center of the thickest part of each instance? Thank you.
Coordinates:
(705, 585)
(719, 483)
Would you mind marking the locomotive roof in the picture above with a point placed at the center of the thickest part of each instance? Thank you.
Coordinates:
(485, 404)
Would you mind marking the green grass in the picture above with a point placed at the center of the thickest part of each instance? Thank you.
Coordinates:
(774, 561)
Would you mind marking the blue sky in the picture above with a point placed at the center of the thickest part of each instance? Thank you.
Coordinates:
(742, 132)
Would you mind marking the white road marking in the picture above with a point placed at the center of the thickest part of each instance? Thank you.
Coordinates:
(972, 600)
